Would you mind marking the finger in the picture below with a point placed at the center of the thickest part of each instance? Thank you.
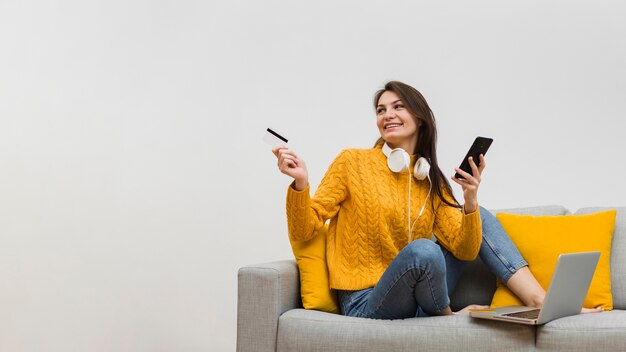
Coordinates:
(465, 175)
(469, 185)
(291, 156)
(475, 171)
(290, 163)
(482, 163)
(287, 159)
(277, 150)
(284, 152)
(286, 165)
(288, 152)
(461, 182)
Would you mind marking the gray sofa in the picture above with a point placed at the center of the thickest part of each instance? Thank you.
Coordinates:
(270, 317)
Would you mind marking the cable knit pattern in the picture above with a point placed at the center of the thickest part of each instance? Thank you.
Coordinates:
(367, 207)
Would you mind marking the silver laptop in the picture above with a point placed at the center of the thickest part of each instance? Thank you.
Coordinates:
(566, 293)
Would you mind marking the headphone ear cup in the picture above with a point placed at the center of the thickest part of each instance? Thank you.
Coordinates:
(398, 160)
(421, 169)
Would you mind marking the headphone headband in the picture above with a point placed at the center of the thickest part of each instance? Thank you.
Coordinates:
(399, 160)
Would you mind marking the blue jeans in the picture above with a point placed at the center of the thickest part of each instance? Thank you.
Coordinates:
(418, 281)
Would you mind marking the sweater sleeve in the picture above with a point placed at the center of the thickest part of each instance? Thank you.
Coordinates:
(459, 232)
(306, 215)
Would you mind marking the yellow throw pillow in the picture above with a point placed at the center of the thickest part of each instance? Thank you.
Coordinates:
(314, 282)
(541, 239)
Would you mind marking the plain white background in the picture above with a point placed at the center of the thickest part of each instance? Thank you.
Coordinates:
(134, 180)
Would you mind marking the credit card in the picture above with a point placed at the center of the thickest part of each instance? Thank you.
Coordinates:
(274, 139)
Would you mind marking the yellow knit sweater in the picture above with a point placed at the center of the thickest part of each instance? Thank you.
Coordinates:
(367, 207)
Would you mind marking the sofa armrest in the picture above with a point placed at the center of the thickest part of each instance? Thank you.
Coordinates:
(265, 292)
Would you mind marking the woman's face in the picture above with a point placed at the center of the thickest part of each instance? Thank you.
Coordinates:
(396, 125)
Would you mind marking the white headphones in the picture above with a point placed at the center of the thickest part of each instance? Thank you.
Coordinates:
(399, 160)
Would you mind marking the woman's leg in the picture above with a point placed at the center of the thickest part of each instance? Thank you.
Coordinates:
(454, 269)
(414, 284)
(502, 257)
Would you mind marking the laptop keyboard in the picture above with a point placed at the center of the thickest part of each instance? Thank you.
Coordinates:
(529, 314)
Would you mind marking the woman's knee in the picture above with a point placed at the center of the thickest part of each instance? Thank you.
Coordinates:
(426, 251)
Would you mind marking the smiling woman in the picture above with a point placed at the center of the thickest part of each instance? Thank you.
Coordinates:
(375, 197)
(405, 121)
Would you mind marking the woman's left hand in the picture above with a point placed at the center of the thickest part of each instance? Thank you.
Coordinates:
(470, 184)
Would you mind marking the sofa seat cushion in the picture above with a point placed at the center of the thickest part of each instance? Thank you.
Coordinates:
(307, 330)
(584, 332)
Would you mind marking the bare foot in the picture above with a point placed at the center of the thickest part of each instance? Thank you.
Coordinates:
(591, 310)
(466, 310)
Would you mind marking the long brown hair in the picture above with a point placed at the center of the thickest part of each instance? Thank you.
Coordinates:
(426, 145)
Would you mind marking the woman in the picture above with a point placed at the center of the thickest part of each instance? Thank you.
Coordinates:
(382, 213)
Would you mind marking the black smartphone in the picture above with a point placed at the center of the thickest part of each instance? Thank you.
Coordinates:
(480, 146)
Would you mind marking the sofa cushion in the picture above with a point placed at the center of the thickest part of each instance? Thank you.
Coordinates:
(477, 284)
(314, 280)
(584, 332)
(541, 239)
(618, 255)
(305, 330)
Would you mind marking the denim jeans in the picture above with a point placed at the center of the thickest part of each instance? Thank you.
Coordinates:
(418, 281)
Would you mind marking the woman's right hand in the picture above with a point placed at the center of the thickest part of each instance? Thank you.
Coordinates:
(291, 165)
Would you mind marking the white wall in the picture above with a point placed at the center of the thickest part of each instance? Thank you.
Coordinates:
(134, 181)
